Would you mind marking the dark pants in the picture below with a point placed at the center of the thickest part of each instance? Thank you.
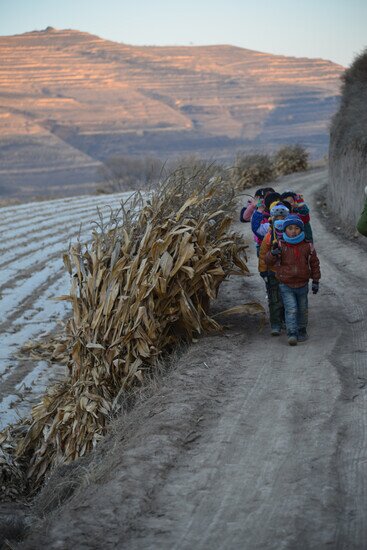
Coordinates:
(295, 302)
(276, 308)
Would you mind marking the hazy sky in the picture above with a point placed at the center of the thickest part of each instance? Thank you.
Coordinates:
(331, 29)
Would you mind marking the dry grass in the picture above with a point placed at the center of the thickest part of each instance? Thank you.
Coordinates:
(348, 147)
(252, 170)
(290, 159)
(124, 173)
(348, 129)
(257, 169)
(143, 285)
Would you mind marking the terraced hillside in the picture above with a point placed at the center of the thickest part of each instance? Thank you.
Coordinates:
(69, 100)
(34, 237)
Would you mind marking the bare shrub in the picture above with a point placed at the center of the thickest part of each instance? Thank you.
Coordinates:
(348, 128)
(357, 72)
(196, 171)
(348, 146)
(290, 159)
(252, 170)
(124, 173)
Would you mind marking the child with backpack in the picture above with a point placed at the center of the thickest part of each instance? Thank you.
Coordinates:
(253, 202)
(261, 216)
(249, 209)
(295, 262)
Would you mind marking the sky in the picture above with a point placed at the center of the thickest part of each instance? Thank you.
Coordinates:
(330, 29)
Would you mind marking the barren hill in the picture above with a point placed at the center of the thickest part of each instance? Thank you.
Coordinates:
(68, 100)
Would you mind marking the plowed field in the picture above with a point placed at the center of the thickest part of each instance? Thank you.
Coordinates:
(33, 239)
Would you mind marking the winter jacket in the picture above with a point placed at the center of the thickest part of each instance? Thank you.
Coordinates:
(258, 218)
(303, 211)
(362, 222)
(264, 249)
(247, 211)
(296, 264)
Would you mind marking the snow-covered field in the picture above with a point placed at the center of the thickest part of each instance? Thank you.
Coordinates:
(33, 238)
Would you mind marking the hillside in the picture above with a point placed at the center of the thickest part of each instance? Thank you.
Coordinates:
(69, 100)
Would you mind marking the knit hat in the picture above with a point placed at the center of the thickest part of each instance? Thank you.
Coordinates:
(292, 219)
(259, 193)
(271, 197)
(278, 210)
(286, 194)
(287, 204)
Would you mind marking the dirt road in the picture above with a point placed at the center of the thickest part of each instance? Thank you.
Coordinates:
(248, 443)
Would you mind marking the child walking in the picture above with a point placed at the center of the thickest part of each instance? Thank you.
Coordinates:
(295, 262)
(278, 212)
(261, 217)
(300, 208)
(249, 209)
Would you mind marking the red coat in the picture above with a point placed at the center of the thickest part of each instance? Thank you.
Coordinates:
(296, 264)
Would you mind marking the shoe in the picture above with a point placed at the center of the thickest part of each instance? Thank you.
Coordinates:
(302, 335)
(275, 331)
(292, 340)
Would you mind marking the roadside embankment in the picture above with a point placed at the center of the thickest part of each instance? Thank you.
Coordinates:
(348, 146)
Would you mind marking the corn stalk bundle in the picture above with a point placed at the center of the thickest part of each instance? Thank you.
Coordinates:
(143, 283)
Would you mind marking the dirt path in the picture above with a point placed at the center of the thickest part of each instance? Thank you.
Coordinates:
(249, 443)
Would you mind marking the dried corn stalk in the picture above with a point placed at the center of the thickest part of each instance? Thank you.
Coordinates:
(12, 472)
(144, 282)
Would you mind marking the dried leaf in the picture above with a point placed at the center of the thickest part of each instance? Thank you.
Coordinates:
(252, 308)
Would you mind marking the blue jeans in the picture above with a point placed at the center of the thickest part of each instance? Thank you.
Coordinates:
(296, 308)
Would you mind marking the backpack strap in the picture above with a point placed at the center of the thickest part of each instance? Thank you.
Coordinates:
(273, 234)
(279, 260)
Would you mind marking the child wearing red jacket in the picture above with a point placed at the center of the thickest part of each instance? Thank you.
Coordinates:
(295, 262)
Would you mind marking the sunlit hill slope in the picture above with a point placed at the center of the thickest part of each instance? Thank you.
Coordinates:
(68, 100)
